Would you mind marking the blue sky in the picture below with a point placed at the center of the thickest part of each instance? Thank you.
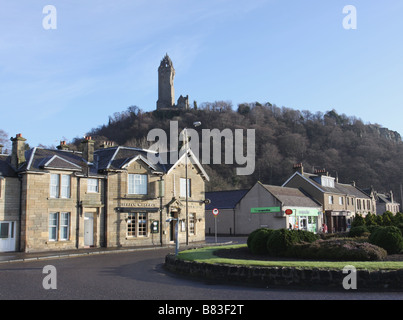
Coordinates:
(103, 57)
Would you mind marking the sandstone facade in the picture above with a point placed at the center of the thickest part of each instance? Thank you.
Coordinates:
(59, 200)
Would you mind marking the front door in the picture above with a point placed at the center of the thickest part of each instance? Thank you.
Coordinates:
(7, 236)
(88, 229)
(172, 227)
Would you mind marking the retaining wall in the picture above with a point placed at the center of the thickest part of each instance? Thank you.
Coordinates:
(267, 277)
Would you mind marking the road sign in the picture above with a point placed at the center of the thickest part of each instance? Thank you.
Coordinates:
(215, 212)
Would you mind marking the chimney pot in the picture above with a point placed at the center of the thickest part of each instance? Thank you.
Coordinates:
(63, 146)
(299, 168)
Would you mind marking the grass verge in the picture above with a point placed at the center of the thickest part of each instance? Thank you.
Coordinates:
(206, 255)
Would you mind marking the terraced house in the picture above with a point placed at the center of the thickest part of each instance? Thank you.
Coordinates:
(110, 197)
(340, 201)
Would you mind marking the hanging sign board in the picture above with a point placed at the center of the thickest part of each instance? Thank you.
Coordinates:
(288, 212)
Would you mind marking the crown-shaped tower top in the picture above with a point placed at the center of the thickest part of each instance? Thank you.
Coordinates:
(166, 62)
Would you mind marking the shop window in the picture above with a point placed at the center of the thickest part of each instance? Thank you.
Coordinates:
(137, 224)
(192, 223)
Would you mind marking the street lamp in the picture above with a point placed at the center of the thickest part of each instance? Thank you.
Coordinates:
(195, 124)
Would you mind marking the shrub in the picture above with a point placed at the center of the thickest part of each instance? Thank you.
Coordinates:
(372, 229)
(358, 221)
(281, 240)
(338, 250)
(358, 231)
(306, 236)
(251, 236)
(259, 240)
(388, 238)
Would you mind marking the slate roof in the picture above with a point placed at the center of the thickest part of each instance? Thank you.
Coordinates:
(291, 196)
(5, 168)
(350, 190)
(224, 199)
(339, 188)
(114, 158)
(38, 159)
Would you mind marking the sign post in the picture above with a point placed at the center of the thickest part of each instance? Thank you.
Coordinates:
(215, 213)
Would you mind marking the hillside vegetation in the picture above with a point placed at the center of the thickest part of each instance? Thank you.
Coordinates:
(365, 153)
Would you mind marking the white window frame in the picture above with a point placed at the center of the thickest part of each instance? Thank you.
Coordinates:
(53, 225)
(331, 200)
(65, 186)
(182, 187)
(92, 185)
(54, 185)
(137, 184)
(60, 186)
(59, 223)
(341, 202)
(64, 226)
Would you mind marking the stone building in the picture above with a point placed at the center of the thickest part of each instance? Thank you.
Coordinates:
(166, 89)
(110, 197)
(340, 202)
(262, 206)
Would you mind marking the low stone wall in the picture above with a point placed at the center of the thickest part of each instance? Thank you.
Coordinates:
(268, 277)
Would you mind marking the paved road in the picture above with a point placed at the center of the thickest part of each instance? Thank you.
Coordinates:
(138, 276)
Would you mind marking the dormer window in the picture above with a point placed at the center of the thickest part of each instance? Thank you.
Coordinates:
(327, 181)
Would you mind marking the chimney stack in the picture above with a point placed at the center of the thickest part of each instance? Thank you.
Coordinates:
(63, 146)
(299, 168)
(88, 149)
(1, 149)
(18, 151)
(107, 144)
(321, 172)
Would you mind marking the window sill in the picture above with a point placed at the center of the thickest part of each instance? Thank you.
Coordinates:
(137, 238)
(58, 242)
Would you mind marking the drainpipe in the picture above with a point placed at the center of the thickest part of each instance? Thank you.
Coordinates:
(234, 222)
(78, 214)
(105, 210)
(20, 215)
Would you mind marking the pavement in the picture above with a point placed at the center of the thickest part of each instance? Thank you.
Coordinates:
(9, 257)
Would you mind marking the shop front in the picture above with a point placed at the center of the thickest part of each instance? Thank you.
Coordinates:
(338, 221)
(308, 219)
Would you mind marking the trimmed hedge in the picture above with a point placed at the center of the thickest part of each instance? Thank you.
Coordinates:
(359, 231)
(388, 238)
(258, 241)
(338, 250)
(306, 245)
(281, 240)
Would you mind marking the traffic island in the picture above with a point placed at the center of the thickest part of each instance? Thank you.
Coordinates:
(326, 277)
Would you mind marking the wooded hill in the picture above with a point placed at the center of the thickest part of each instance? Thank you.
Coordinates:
(346, 147)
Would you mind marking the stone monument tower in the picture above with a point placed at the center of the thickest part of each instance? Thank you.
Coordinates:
(166, 91)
